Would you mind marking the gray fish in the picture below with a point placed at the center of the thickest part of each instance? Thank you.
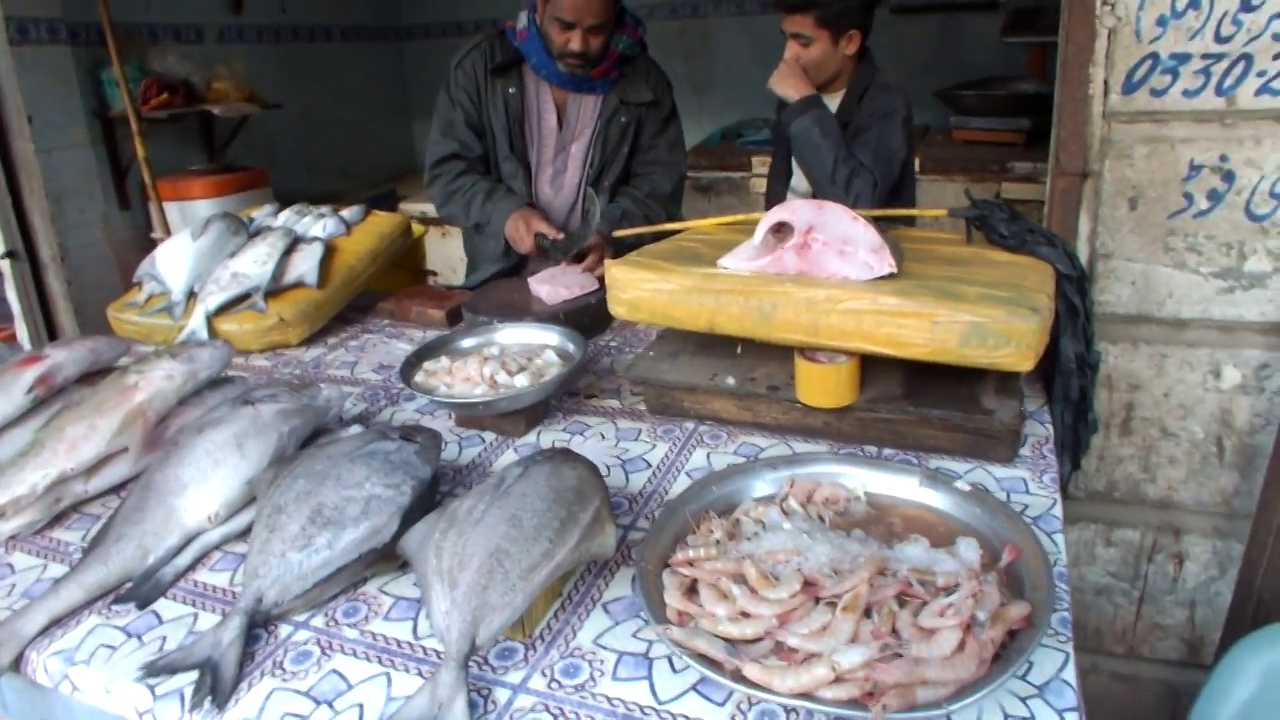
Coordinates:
(115, 416)
(332, 513)
(263, 217)
(219, 237)
(353, 215)
(328, 226)
(164, 262)
(300, 268)
(148, 288)
(292, 215)
(204, 479)
(121, 467)
(540, 517)
(18, 434)
(249, 272)
(33, 377)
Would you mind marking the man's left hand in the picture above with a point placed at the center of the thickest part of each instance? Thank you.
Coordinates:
(789, 82)
(592, 258)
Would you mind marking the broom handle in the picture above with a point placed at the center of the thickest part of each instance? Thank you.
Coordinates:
(757, 216)
(159, 223)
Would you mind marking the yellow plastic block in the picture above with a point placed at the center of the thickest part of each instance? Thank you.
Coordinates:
(408, 268)
(966, 305)
(294, 315)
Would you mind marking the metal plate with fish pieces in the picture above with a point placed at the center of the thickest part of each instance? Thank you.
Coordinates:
(906, 500)
(509, 300)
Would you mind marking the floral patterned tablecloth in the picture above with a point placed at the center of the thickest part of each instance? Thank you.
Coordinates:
(359, 656)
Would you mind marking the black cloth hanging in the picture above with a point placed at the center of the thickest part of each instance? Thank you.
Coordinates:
(1070, 364)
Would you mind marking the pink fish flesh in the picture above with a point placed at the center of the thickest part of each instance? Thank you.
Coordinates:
(814, 238)
(561, 283)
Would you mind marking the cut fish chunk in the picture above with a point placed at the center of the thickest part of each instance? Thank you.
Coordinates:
(814, 238)
(561, 283)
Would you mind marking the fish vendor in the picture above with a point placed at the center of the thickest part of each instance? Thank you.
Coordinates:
(565, 98)
(844, 129)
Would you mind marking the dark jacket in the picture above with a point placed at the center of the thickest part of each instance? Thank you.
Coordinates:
(863, 156)
(477, 163)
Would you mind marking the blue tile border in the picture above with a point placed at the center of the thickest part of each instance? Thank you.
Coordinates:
(47, 31)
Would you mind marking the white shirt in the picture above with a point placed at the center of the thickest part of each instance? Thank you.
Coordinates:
(800, 187)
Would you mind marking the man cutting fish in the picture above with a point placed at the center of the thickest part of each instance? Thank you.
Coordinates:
(844, 130)
(564, 99)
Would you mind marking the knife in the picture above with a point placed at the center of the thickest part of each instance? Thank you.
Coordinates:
(575, 240)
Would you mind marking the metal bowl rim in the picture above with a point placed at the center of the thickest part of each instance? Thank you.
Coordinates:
(798, 462)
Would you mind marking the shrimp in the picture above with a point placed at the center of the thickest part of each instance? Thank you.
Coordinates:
(843, 691)
(838, 632)
(848, 658)
(757, 650)
(791, 679)
(922, 644)
(675, 593)
(802, 490)
(949, 610)
(767, 587)
(737, 628)
(1008, 556)
(1002, 622)
(807, 605)
(752, 604)
(913, 696)
(988, 598)
(834, 497)
(689, 555)
(861, 576)
(884, 592)
(961, 668)
(714, 600)
(700, 642)
(814, 621)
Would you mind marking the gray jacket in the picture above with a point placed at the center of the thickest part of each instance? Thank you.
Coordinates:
(477, 164)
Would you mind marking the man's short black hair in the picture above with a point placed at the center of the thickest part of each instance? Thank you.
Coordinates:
(837, 17)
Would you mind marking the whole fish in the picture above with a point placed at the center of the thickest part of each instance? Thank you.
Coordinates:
(353, 215)
(204, 478)
(249, 272)
(18, 434)
(115, 416)
(219, 237)
(329, 516)
(481, 560)
(263, 217)
(292, 215)
(33, 377)
(121, 467)
(163, 265)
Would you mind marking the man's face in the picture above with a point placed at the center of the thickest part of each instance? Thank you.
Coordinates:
(823, 58)
(577, 32)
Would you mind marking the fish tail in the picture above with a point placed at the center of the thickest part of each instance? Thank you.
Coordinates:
(216, 654)
(160, 307)
(443, 697)
(197, 328)
(177, 306)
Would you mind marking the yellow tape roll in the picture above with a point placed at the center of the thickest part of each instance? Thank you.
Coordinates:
(827, 380)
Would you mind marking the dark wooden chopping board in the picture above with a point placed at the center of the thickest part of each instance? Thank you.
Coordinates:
(904, 405)
(509, 300)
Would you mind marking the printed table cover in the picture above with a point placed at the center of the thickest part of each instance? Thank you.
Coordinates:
(362, 654)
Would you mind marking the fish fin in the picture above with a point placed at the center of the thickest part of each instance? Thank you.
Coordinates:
(216, 654)
(152, 583)
(197, 328)
(339, 581)
(45, 384)
(161, 307)
(177, 308)
(444, 696)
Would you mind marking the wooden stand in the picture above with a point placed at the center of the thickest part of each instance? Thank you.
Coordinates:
(903, 405)
(513, 424)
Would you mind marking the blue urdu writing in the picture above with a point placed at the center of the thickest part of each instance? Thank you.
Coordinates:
(1261, 203)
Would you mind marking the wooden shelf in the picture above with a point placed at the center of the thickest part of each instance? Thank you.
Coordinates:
(121, 158)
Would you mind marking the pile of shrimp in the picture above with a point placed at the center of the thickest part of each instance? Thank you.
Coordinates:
(494, 370)
(776, 594)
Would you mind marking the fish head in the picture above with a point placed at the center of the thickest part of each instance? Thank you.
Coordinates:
(302, 393)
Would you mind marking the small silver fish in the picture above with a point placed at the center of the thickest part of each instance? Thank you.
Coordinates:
(353, 215)
(329, 226)
(291, 215)
(263, 217)
(320, 526)
(542, 516)
(216, 239)
(249, 272)
(32, 377)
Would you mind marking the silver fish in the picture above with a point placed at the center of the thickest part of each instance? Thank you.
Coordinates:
(330, 515)
(121, 467)
(303, 226)
(263, 217)
(291, 215)
(249, 272)
(540, 517)
(148, 287)
(353, 215)
(18, 434)
(204, 479)
(301, 267)
(328, 226)
(217, 238)
(116, 416)
(33, 377)
(163, 263)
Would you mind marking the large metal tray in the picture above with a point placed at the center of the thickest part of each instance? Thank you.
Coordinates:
(917, 501)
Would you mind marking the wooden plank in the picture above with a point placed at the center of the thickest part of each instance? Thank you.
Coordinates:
(1256, 601)
(904, 405)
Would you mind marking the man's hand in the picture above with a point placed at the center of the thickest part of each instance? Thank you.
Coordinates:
(789, 82)
(592, 258)
(524, 225)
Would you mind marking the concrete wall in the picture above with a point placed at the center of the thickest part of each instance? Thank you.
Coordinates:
(1184, 241)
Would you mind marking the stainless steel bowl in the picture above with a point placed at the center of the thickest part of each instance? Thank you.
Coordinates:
(915, 501)
(568, 343)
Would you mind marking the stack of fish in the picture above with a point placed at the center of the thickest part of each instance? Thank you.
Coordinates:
(227, 257)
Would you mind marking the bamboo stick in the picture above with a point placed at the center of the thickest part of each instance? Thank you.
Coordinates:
(757, 216)
(159, 224)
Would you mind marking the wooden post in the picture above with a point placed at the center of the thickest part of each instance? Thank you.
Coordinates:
(159, 225)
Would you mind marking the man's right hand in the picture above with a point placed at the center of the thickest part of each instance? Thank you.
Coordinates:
(524, 225)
